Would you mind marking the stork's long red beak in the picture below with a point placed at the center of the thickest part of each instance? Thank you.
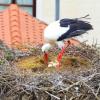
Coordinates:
(46, 58)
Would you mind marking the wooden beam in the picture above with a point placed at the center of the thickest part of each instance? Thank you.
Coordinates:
(22, 5)
(13, 2)
(34, 8)
(2, 4)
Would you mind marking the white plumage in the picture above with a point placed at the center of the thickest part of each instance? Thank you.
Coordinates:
(52, 33)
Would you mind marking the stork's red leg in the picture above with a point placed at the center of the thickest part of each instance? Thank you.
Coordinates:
(46, 58)
(60, 55)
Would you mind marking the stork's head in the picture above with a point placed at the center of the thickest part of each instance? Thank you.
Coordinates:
(45, 49)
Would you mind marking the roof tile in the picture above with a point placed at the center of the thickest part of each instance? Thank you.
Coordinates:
(19, 28)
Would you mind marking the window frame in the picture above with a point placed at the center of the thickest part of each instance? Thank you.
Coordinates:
(24, 5)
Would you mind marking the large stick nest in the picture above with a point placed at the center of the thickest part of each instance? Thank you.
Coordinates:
(24, 75)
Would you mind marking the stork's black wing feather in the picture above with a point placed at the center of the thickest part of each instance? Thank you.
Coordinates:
(65, 22)
(73, 34)
(77, 27)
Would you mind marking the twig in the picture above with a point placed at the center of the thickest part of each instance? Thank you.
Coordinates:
(52, 95)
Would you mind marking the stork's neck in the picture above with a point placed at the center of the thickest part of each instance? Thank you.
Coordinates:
(46, 47)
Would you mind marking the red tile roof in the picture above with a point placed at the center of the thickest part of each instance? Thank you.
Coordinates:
(17, 28)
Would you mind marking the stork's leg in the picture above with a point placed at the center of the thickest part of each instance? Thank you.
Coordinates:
(46, 58)
(60, 55)
(59, 58)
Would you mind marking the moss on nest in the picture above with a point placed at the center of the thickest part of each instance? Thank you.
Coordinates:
(75, 61)
(30, 62)
(36, 63)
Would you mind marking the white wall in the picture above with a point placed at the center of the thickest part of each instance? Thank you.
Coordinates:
(73, 9)
(78, 8)
(46, 10)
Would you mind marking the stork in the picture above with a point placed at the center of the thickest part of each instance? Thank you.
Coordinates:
(60, 30)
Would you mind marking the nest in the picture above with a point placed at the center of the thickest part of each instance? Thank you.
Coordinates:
(25, 76)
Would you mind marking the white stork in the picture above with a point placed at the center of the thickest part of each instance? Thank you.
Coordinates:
(58, 31)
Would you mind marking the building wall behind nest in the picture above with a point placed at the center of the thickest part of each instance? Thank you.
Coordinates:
(46, 10)
(73, 9)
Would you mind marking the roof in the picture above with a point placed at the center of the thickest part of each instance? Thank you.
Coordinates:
(19, 28)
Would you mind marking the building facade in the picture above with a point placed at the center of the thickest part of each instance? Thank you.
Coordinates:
(51, 10)
(46, 11)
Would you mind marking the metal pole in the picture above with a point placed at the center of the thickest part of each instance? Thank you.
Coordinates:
(57, 9)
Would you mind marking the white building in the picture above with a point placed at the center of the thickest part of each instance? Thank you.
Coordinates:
(46, 11)
(50, 10)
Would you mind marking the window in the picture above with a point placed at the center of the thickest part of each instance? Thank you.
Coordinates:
(4, 3)
(27, 5)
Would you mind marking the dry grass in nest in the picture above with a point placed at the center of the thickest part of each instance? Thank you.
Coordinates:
(69, 63)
